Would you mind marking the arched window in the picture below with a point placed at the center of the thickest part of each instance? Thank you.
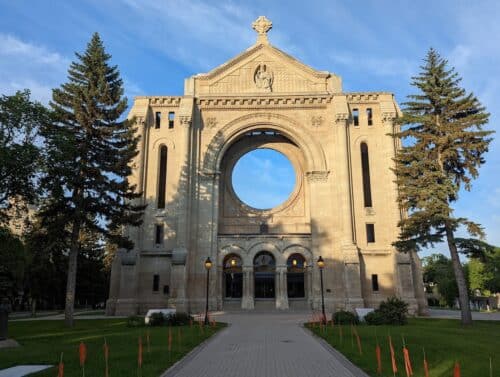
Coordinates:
(233, 276)
(264, 266)
(162, 177)
(295, 276)
(365, 166)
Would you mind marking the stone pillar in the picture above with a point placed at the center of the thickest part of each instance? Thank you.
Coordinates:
(309, 285)
(349, 250)
(281, 289)
(247, 301)
(178, 279)
(352, 276)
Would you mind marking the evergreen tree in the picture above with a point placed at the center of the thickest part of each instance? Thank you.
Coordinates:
(89, 159)
(442, 127)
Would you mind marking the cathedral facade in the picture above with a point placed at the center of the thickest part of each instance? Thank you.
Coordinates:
(342, 208)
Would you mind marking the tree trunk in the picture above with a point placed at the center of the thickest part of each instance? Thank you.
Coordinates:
(71, 282)
(463, 292)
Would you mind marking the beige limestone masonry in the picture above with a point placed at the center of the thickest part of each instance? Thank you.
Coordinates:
(264, 98)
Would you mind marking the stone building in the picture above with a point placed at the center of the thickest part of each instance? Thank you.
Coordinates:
(343, 206)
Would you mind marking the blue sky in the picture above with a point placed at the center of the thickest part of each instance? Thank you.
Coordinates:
(373, 45)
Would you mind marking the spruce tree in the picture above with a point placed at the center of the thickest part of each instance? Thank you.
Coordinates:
(90, 150)
(443, 150)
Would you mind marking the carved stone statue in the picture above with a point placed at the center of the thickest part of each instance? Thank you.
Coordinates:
(263, 78)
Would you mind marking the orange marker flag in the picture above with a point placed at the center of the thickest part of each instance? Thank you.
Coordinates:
(393, 359)
(426, 366)
(139, 354)
(340, 334)
(106, 356)
(60, 368)
(82, 352)
(456, 370)
(358, 340)
(408, 368)
(379, 358)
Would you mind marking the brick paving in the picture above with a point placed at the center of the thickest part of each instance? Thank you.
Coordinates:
(264, 345)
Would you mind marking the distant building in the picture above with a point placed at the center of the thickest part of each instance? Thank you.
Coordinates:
(343, 207)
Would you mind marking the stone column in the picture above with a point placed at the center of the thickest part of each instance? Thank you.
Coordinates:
(247, 301)
(349, 250)
(281, 291)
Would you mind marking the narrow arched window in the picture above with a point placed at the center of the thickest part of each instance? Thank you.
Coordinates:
(162, 177)
(365, 166)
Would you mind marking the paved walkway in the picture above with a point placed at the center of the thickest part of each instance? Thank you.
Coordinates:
(455, 314)
(264, 345)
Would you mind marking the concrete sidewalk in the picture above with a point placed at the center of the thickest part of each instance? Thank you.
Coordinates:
(264, 345)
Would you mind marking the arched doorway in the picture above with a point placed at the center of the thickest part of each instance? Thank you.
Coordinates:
(264, 274)
(295, 278)
(233, 277)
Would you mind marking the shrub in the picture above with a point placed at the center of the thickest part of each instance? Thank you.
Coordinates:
(178, 319)
(344, 317)
(135, 321)
(375, 318)
(157, 319)
(393, 311)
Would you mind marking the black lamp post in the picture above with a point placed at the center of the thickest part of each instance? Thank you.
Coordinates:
(208, 266)
(321, 265)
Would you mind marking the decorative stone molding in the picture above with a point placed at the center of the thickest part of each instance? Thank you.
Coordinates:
(317, 176)
(388, 117)
(317, 120)
(185, 120)
(235, 103)
(139, 120)
(341, 117)
(166, 101)
(211, 122)
(364, 97)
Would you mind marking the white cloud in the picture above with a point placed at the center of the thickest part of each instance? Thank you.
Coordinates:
(26, 65)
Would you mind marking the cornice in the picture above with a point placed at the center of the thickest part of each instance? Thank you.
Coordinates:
(305, 101)
(163, 101)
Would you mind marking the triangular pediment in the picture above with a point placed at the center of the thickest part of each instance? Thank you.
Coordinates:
(264, 69)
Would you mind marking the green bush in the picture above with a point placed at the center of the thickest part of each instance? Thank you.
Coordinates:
(393, 311)
(157, 319)
(375, 318)
(343, 317)
(178, 319)
(135, 321)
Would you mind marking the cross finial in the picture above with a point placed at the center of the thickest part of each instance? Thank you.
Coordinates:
(262, 25)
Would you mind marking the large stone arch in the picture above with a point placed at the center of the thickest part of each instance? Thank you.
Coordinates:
(263, 246)
(224, 138)
(298, 249)
(230, 249)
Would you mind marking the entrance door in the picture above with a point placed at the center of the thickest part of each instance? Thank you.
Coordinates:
(264, 275)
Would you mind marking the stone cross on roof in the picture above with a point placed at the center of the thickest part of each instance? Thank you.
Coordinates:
(262, 25)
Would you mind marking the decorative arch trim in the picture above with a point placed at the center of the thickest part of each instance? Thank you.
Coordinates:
(224, 138)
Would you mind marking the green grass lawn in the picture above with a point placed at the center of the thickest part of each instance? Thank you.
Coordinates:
(43, 341)
(445, 341)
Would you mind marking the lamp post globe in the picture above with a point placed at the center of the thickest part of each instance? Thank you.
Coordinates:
(208, 266)
(321, 265)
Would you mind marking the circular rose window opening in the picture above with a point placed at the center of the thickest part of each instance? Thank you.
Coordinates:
(263, 178)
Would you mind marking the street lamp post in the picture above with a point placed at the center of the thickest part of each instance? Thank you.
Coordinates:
(208, 266)
(321, 265)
